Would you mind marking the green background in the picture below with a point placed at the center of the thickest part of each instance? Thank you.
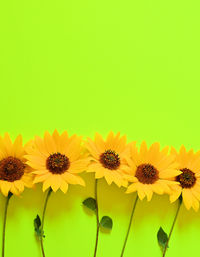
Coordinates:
(87, 66)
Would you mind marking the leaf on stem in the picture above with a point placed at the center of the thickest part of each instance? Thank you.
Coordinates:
(37, 226)
(106, 222)
(90, 203)
(162, 238)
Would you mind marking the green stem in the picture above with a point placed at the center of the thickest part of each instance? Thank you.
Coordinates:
(97, 219)
(42, 222)
(170, 233)
(129, 226)
(4, 222)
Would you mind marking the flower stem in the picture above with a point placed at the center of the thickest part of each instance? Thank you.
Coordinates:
(129, 226)
(170, 233)
(42, 223)
(97, 218)
(4, 222)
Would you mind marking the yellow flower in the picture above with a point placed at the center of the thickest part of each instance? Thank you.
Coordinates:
(57, 160)
(14, 173)
(189, 165)
(108, 158)
(151, 170)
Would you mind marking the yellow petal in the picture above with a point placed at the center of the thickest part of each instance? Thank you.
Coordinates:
(46, 183)
(79, 165)
(91, 147)
(64, 186)
(119, 144)
(153, 152)
(169, 173)
(176, 192)
(99, 173)
(56, 137)
(99, 143)
(165, 186)
(73, 148)
(148, 192)
(49, 143)
(130, 178)
(73, 179)
(8, 144)
(109, 141)
(143, 152)
(41, 146)
(27, 179)
(187, 198)
(36, 159)
(40, 172)
(157, 188)
(56, 182)
(132, 188)
(173, 151)
(196, 193)
(18, 150)
(41, 178)
(141, 192)
(14, 190)
(5, 187)
(195, 204)
(108, 178)
(19, 185)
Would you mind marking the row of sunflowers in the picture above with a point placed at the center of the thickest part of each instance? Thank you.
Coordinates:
(56, 161)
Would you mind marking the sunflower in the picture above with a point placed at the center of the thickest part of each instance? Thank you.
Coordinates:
(108, 158)
(56, 160)
(189, 179)
(14, 173)
(151, 170)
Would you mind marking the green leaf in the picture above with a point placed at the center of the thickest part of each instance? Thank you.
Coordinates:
(162, 238)
(106, 222)
(90, 203)
(37, 226)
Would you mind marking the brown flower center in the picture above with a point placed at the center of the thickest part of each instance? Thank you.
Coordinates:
(110, 160)
(187, 178)
(146, 174)
(57, 163)
(11, 169)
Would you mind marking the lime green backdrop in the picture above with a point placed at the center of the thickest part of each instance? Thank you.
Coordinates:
(87, 66)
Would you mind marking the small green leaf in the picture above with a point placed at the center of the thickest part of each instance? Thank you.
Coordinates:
(162, 238)
(106, 222)
(37, 222)
(90, 203)
(37, 226)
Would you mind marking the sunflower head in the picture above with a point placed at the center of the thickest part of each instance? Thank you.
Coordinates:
(56, 160)
(189, 179)
(108, 157)
(14, 173)
(57, 163)
(151, 170)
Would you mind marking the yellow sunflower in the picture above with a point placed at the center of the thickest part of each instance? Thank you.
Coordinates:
(14, 173)
(108, 158)
(189, 187)
(56, 160)
(151, 170)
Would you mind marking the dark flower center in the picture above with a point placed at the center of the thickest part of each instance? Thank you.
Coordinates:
(57, 163)
(110, 160)
(11, 169)
(146, 174)
(187, 178)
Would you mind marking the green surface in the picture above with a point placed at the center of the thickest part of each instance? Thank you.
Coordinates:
(86, 66)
